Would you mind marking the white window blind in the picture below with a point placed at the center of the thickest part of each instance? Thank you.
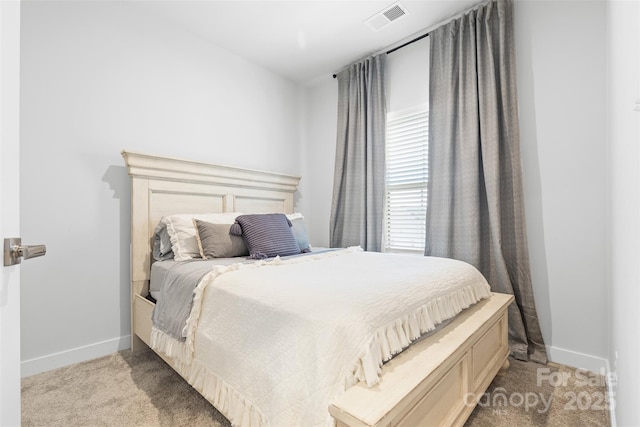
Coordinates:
(406, 180)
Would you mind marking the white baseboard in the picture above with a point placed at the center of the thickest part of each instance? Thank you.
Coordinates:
(75, 355)
(575, 359)
(589, 362)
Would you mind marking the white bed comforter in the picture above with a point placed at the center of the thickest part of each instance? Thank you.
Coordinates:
(272, 343)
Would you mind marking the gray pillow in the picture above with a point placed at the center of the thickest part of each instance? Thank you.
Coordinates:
(266, 235)
(215, 241)
(300, 234)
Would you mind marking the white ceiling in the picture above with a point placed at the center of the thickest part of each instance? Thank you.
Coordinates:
(304, 39)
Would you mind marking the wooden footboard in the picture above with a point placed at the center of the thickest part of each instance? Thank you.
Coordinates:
(438, 381)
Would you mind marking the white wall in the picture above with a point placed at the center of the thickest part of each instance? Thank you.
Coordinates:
(624, 202)
(99, 77)
(561, 66)
(321, 112)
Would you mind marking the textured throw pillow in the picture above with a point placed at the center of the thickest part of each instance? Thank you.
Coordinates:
(182, 232)
(300, 234)
(215, 241)
(266, 235)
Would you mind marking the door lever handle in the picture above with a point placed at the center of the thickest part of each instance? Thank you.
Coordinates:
(31, 251)
(14, 250)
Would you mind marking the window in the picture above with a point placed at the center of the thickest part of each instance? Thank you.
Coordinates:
(406, 180)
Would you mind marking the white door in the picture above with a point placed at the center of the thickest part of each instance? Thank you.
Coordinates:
(9, 210)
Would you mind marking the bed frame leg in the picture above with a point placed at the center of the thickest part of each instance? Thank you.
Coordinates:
(505, 366)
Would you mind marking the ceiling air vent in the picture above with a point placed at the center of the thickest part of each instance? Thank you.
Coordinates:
(386, 16)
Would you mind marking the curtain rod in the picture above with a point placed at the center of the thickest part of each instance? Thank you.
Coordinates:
(407, 43)
(401, 46)
(429, 29)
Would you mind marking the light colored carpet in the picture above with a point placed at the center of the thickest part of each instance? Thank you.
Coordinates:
(125, 389)
(543, 395)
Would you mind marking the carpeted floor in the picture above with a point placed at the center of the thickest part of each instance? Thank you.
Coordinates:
(125, 389)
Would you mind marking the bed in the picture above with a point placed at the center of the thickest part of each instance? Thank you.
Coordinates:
(435, 381)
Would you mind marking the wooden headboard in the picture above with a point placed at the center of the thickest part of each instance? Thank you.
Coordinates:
(162, 186)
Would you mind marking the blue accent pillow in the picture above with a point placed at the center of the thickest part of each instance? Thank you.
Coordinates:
(300, 233)
(266, 235)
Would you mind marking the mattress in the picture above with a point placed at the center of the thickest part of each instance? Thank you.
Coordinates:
(272, 343)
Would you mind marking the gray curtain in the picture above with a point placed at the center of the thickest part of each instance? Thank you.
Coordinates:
(357, 204)
(476, 211)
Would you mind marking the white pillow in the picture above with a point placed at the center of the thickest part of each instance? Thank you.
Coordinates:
(294, 215)
(182, 232)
